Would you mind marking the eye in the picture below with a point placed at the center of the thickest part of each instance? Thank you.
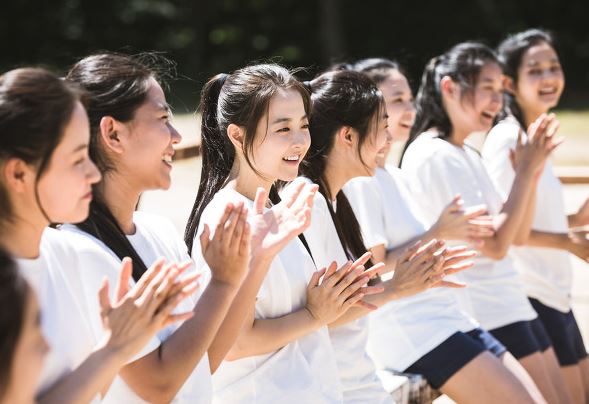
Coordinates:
(79, 161)
(555, 68)
(535, 72)
(305, 126)
(283, 130)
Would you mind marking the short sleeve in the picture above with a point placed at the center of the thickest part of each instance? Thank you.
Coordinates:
(366, 200)
(499, 141)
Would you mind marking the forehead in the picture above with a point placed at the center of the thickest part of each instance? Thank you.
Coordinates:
(156, 99)
(394, 83)
(490, 72)
(286, 103)
(540, 53)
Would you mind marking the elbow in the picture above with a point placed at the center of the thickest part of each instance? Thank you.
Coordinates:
(497, 252)
(160, 393)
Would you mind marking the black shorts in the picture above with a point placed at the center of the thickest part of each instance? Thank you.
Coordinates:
(441, 363)
(523, 338)
(563, 332)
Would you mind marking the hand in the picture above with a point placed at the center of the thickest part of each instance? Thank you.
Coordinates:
(581, 218)
(533, 153)
(137, 314)
(456, 223)
(227, 253)
(456, 259)
(579, 244)
(274, 229)
(339, 289)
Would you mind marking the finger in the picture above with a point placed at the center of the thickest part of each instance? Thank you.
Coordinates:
(512, 158)
(366, 305)
(371, 290)
(147, 297)
(296, 192)
(184, 284)
(244, 243)
(124, 278)
(221, 223)
(452, 269)
(148, 277)
(336, 276)
(205, 238)
(352, 300)
(260, 201)
(374, 270)
(455, 205)
(362, 260)
(230, 225)
(410, 252)
(475, 211)
(239, 228)
(177, 318)
(103, 296)
(449, 284)
(459, 258)
(353, 287)
(520, 137)
(314, 282)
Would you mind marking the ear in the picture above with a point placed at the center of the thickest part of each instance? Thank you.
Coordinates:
(448, 87)
(236, 135)
(16, 173)
(110, 133)
(345, 135)
(508, 84)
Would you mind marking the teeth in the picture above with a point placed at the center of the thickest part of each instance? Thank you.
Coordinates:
(291, 158)
(167, 158)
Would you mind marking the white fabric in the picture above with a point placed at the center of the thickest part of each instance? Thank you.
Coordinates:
(546, 272)
(56, 281)
(303, 371)
(356, 369)
(155, 237)
(404, 330)
(436, 171)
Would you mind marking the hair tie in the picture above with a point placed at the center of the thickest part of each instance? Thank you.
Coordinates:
(307, 85)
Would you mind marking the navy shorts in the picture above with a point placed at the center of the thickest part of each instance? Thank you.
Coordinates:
(564, 333)
(523, 338)
(441, 363)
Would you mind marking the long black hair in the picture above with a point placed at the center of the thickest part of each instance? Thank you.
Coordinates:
(378, 69)
(340, 98)
(463, 64)
(35, 107)
(241, 98)
(511, 53)
(117, 85)
(13, 300)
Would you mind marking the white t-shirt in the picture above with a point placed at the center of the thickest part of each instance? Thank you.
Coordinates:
(155, 237)
(304, 371)
(404, 330)
(546, 272)
(356, 370)
(436, 171)
(55, 278)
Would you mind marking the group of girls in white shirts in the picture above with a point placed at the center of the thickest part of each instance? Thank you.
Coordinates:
(308, 261)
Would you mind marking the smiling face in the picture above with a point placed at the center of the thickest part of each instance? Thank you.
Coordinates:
(476, 111)
(373, 150)
(29, 355)
(540, 80)
(65, 188)
(399, 103)
(148, 145)
(282, 137)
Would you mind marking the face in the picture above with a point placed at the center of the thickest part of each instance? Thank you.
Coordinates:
(65, 188)
(540, 79)
(29, 354)
(372, 150)
(476, 111)
(400, 109)
(148, 143)
(282, 137)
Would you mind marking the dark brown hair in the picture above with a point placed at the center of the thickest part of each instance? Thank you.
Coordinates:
(35, 107)
(13, 301)
(241, 98)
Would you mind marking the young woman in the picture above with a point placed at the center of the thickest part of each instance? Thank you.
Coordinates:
(254, 133)
(461, 93)
(534, 83)
(47, 178)
(133, 143)
(348, 127)
(23, 348)
(430, 333)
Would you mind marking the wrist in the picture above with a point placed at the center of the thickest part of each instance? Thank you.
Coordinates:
(109, 351)
(573, 220)
(314, 320)
(223, 287)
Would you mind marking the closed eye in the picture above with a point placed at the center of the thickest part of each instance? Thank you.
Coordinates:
(283, 130)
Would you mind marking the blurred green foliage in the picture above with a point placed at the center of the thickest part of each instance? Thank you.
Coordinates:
(207, 37)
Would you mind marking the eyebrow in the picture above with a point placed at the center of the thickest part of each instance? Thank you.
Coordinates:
(164, 106)
(280, 120)
(80, 147)
(535, 62)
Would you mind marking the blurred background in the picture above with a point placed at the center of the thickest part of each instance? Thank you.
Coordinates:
(208, 37)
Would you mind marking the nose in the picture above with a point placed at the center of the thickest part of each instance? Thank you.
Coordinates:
(176, 137)
(410, 110)
(93, 174)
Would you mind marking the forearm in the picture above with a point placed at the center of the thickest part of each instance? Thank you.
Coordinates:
(268, 335)
(243, 304)
(511, 217)
(86, 381)
(573, 220)
(548, 240)
(158, 376)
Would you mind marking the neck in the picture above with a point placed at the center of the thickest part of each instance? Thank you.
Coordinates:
(245, 181)
(121, 198)
(336, 175)
(457, 137)
(530, 117)
(22, 238)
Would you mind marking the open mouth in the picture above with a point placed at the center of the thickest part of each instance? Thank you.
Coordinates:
(488, 115)
(295, 158)
(547, 91)
(405, 125)
(167, 158)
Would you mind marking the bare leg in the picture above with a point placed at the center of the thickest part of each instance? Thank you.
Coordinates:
(522, 375)
(538, 370)
(574, 380)
(584, 366)
(485, 380)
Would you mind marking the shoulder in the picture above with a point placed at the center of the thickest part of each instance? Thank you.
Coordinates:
(154, 222)
(502, 135)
